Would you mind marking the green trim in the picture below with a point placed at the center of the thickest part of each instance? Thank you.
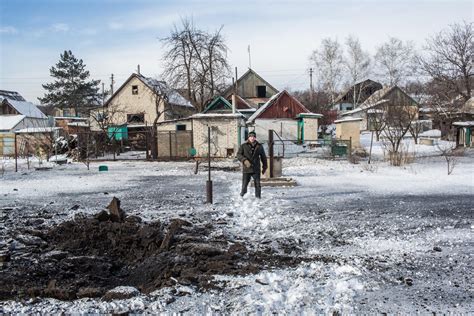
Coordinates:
(309, 115)
(301, 130)
(215, 102)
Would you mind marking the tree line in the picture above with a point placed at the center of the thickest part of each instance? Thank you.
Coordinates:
(196, 63)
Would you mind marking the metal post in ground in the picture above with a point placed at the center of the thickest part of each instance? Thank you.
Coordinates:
(270, 151)
(16, 155)
(209, 182)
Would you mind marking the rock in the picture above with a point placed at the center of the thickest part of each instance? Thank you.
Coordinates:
(5, 257)
(438, 249)
(116, 213)
(89, 292)
(75, 207)
(121, 293)
(102, 216)
(56, 254)
(173, 228)
(409, 281)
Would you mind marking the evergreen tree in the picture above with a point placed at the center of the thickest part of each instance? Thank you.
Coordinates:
(71, 87)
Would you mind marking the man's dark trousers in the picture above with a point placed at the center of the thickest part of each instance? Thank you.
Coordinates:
(256, 181)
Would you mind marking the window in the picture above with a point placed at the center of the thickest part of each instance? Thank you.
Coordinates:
(181, 127)
(261, 91)
(136, 118)
(134, 89)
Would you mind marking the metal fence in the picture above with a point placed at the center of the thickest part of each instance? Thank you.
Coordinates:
(327, 148)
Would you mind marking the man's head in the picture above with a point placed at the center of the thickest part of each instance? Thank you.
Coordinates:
(252, 137)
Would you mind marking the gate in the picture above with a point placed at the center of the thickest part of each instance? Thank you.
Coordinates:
(175, 145)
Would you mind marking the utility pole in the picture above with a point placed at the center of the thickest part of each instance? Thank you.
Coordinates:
(311, 85)
(112, 84)
(250, 60)
(103, 94)
(138, 69)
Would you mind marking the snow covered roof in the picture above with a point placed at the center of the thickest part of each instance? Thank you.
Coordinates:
(10, 95)
(348, 119)
(8, 122)
(363, 108)
(466, 123)
(216, 115)
(25, 108)
(79, 124)
(174, 97)
(37, 130)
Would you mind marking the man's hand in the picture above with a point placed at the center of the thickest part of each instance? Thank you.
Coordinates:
(263, 170)
(247, 163)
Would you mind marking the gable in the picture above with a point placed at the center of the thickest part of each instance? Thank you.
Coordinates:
(6, 109)
(247, 86)
(219, 104)
(281, 105)
(285, 106)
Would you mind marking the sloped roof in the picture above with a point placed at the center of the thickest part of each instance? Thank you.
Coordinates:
(8, 122)
(174, 97)
(11, 95)
(24, 108)
(241, 103)
(249, 72)
(272, 101)
(351, 88)
(215, 102)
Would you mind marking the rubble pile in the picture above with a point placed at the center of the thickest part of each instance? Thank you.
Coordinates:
(88, 256)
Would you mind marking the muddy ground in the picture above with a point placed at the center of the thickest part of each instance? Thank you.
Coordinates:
(408, 253)
(89, 255)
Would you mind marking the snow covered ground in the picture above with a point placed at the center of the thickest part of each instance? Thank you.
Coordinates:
(374, 238)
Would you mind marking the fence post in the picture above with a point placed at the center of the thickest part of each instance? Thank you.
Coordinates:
(16, 155)
(209, 181)
(350, 146)
(270, 151)
(170, 146)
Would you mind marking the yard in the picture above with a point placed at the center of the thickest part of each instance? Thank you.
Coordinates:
(349, 238)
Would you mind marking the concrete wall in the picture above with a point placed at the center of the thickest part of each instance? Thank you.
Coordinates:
(224, 136)
(286, 128)
(347, 130)
(171, 126)
(310, 128)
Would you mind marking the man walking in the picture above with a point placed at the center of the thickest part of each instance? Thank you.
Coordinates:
(250, 154)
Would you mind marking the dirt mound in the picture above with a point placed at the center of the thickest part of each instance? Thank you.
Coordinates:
(87, 256)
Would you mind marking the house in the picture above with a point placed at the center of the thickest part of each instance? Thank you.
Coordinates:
(252, 89)
(17, 113)
(355, 95)
(284, 114)
(140, 100)
(371, 110)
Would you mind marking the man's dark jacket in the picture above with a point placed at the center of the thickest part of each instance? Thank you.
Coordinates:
(245, 153)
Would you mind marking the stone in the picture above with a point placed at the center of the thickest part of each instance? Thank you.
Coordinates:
(116, 213)
(121, 293)
(438, 249)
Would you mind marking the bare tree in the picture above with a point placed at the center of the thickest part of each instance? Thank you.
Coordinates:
(417, 127)
(197, 61)
(328, 60)
(357, 62)
(450, 154)
(449, 60)
(395, 61)
(398, 119)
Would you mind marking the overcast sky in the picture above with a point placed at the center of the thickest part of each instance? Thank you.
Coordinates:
(114, 36)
